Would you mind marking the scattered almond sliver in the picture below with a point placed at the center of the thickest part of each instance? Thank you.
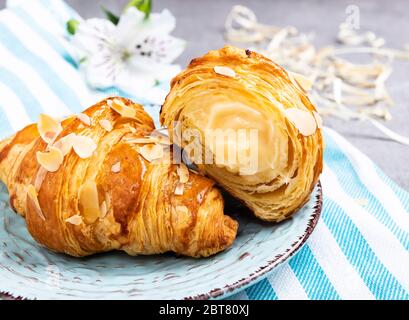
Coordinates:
(83, 146)
(75, 220)
(318, 119)
(303, 120)
(140, 140)
(160, 138)
(106, 124)
(88, 202)
(48, 128)
(301, 81)
(50, 160)
(108, 200)
(41, 174)
(84, 119)
(225, 71)
(65, 143)
(116, 167)
(362, 202)
(103, 210)
(151, 152)
(120, 107)
(32, 194)
(164, 140)
(179, 189)
(183, 173)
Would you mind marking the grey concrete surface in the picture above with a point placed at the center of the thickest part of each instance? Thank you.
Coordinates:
(201, 24)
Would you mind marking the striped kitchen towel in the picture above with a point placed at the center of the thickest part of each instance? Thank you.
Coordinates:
(359, 249)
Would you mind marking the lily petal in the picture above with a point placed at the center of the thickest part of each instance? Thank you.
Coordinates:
(134, 28)
(102, 69)
(157, 48)
(162, 23)
(94, 34)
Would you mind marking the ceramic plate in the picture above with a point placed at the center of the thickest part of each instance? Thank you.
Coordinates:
(30, 271)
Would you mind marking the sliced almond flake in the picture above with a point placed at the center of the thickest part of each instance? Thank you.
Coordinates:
(132, 129)
(65, 143)
(84, 119)
(225, 71)
(301, 81)
(88, 202)
(140, 140)
(303, 120)
(183, 173)
(75, 220)
(103, 210)
(164, 140)
(50, 160)
(151, 152)
(106, 124)
(120, 107)
(179, 188)
(48, 128)
(160, 138)
(84, 146)
(108, 200)
(41, 174)
(32, 194)
(362, 202)
(318, 119)
(116, 167)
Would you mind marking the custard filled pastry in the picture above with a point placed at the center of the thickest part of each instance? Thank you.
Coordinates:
(99, 181)
(248, 124)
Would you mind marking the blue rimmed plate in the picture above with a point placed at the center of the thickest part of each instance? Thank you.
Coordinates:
(28, 270)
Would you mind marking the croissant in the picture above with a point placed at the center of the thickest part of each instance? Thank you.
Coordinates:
(249, 125)
(97, 182)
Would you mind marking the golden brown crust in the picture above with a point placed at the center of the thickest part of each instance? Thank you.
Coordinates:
(266, 87)
(142, 216)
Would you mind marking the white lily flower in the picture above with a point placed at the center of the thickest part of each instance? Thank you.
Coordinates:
(133, 56)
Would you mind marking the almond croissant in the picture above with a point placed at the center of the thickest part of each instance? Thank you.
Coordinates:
(260, 134)
(95, 182)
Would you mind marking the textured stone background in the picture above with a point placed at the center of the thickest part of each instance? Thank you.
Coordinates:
(201, 24)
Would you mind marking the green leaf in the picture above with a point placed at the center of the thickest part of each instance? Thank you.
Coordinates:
(72, 26)
(110, 16)
(142, 5)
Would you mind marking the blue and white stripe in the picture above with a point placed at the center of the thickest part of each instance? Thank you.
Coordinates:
(356, 252)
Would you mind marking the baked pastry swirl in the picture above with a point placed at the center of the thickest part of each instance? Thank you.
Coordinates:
(98, 182)
(234, 89)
